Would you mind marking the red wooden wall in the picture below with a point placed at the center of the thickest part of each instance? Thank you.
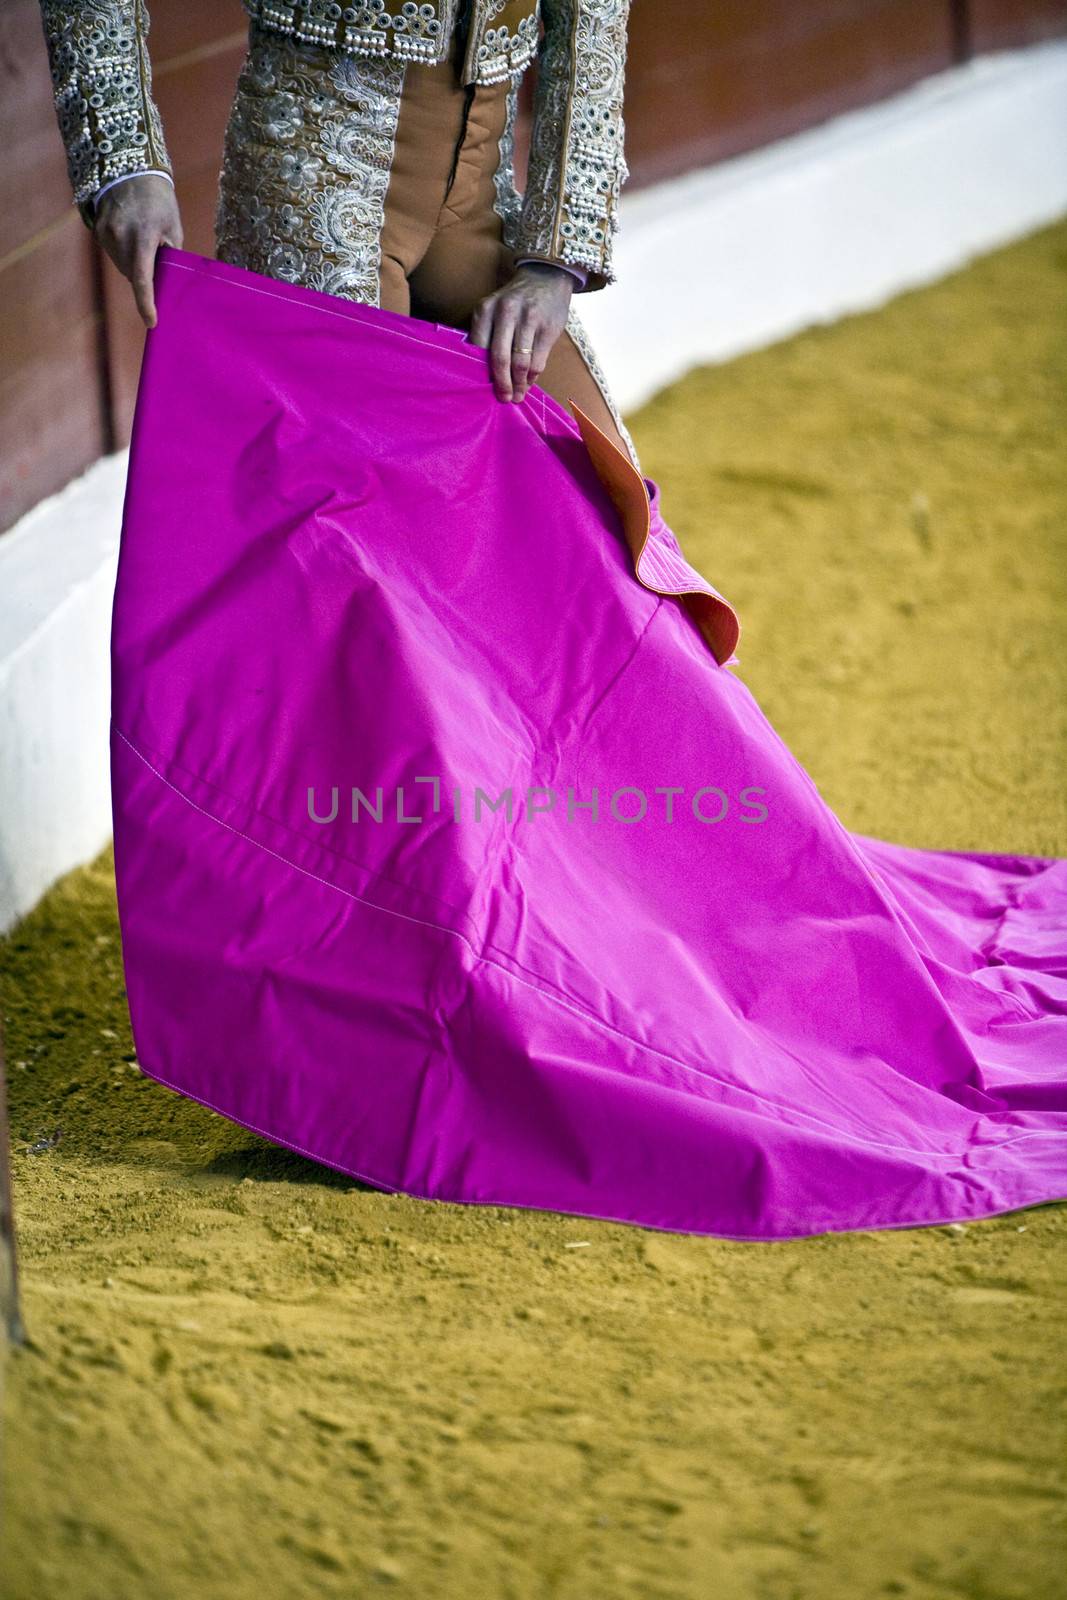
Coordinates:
(706, 79)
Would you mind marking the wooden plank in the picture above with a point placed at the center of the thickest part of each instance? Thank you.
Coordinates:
(50, 427)
(34, 187)
(1010, 24)
(51, 417)
(750, 74)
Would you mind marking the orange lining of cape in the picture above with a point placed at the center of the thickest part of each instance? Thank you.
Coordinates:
(714, 616)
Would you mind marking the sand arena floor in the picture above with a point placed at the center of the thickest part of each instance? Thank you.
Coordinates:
(251, 1377)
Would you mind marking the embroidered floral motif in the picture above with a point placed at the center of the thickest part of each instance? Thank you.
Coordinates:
(577, 166)
(102, 86)
(110, 125)
(307, 154)
(508, 203)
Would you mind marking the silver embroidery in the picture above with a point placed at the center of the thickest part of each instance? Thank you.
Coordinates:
(508, 203)
(415, 30)
(102, 87)
(110, 124)
(496, 50)
(577, 166)
(590, 35)
(307, 153)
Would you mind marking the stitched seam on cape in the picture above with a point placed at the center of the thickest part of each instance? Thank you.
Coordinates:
(276, 822)
(399, 333)
(765, 1106)
(438, 928)
(254, 288)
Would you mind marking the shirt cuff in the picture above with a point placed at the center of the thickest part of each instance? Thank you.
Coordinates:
(575, 272)
(142, 172)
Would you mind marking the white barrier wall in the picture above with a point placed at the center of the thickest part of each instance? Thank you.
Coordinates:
(57, 576)
(831, 221)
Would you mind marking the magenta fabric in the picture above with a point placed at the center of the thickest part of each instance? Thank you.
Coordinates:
(345, 564)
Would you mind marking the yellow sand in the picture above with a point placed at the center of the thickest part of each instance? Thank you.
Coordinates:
(252, 1379)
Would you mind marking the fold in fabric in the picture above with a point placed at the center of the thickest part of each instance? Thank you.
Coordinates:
(360, 603)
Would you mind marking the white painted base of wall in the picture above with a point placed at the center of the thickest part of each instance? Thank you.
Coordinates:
(831, 221)
(57, 578)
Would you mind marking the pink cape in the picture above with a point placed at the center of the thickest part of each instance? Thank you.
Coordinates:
(346, 565)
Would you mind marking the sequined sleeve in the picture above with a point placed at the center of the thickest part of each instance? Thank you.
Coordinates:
(102, 85)
(577, 166)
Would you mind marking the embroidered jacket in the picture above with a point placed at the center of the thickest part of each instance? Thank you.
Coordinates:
(110, 125)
